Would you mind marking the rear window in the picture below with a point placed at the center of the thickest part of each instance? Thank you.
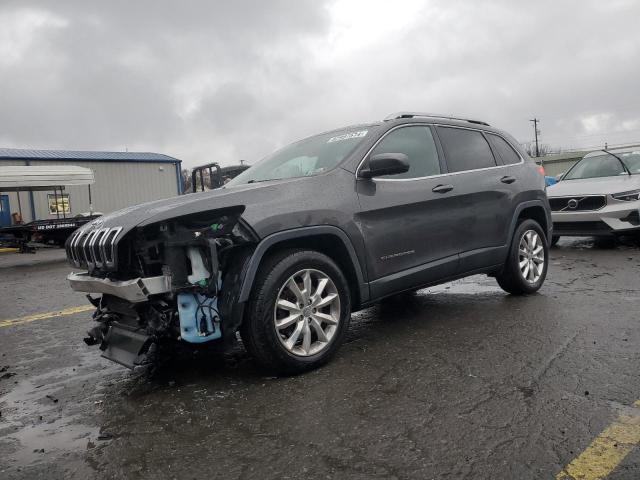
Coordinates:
(503, 149)
(465, 149)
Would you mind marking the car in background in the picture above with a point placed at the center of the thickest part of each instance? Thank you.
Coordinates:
(599, 196)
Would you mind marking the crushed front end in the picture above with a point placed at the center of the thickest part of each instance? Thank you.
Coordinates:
(175, 280)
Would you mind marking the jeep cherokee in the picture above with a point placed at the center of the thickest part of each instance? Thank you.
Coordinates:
(284, 252)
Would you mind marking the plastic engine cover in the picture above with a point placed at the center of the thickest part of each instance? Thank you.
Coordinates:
(193, 327)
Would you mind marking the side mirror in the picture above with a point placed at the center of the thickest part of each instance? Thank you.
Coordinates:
(559, 176)
(385, 164)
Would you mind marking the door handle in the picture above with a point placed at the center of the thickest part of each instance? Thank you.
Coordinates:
(507, 179)
(442, 188)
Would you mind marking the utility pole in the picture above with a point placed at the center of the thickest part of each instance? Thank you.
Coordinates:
(536, 131)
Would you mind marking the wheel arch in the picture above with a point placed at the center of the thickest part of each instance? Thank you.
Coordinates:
(535, 210)
(327, 239)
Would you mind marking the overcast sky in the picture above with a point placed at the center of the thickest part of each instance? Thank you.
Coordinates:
(223, 81)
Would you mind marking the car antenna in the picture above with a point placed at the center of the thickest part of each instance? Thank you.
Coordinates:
(624, 165)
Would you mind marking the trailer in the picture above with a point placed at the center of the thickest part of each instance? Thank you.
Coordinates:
(44, 178)
(212, 175)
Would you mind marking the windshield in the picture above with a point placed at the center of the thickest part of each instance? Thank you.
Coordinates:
(311, 156)
(605, 165)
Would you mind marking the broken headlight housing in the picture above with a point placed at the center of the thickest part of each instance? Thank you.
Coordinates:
(629, 196)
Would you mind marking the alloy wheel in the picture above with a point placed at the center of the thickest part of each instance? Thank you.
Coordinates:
(531, 256)
(307, 312)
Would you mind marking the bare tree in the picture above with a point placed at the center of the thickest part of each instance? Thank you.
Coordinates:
(544, 149)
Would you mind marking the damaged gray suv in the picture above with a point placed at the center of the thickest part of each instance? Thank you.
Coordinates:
(286, 251)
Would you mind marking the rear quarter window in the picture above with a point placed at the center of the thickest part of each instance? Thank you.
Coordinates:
(506, 152)
(465, 149)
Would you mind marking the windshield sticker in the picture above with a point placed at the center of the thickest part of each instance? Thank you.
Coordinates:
(347, 136)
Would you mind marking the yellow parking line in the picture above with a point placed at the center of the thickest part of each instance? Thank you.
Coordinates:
(44, 316)
(607, 450)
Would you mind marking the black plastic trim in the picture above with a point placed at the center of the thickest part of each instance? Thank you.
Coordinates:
(271, 240)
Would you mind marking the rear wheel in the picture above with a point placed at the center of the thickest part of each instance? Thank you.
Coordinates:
(554, 240)
(298, 313)
(526, 266)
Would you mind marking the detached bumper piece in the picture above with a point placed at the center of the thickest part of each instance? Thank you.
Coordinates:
(126, 346)
(136, 290)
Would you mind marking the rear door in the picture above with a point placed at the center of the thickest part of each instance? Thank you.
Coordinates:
(406, 225)
(482, 196)
(512, 174)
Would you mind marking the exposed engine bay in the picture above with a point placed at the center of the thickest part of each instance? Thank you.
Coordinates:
(176, 280)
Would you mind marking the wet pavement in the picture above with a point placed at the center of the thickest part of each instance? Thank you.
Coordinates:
(458, 381)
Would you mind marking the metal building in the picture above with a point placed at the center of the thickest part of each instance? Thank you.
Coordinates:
(122, 179)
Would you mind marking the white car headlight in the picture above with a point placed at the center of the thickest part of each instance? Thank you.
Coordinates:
(627, 196)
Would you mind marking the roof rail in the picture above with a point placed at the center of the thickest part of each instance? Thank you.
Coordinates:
(395, 116)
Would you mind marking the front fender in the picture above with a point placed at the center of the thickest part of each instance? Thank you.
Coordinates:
(296, 233)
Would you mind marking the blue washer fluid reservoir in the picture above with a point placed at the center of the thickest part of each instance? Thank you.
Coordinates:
(193, 328)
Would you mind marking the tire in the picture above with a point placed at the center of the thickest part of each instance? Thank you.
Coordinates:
(276, 350)
(605, 243)
(512, 278)
(554, 240)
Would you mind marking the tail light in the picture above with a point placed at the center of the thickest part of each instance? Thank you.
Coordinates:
(541, 170)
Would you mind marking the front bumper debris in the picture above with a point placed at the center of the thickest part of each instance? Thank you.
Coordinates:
(127, 346)
(136, 290)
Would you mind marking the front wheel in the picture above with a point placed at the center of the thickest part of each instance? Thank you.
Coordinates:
(298, 313)
(526, 266)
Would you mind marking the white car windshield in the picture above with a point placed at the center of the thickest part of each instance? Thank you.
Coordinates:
(605, 165)
(311, 156)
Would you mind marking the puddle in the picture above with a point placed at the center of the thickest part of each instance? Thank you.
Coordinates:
(471, 285)
(45, 415)
(38, 441)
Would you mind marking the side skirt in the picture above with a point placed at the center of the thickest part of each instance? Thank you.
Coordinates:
(485, 270)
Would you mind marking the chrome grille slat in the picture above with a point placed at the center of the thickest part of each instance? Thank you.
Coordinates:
(95, 248)
(86, 248)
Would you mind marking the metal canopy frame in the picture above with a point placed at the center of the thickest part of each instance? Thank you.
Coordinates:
(36, 178)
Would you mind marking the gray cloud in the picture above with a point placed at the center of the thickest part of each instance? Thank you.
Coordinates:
(222, 81)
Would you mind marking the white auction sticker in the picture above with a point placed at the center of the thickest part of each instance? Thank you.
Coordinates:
(347, 136)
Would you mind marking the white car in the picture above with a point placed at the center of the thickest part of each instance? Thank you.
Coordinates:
(599, 196)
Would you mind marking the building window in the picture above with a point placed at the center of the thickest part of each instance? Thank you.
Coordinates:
(59, 204)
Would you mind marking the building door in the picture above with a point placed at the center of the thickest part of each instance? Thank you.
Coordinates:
(5, 214)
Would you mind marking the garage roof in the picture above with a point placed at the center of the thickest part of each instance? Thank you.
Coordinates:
(92, 156)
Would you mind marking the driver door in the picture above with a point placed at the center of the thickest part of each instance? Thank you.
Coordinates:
(408, 221)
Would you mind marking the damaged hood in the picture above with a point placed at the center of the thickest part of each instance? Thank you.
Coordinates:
(160, 210)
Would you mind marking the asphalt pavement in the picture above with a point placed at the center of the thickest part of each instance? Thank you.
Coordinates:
(456, 382)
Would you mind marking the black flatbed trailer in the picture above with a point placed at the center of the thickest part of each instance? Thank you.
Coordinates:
(52, 231)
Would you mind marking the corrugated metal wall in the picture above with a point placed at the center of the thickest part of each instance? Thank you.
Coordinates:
(117, 185)
(556, 167)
